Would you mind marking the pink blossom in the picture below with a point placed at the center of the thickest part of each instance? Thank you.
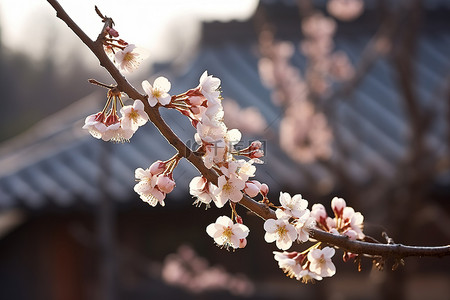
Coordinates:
(202, 189)
(264, 189)
(338, 205)
(252, 188)
(303, 226)
(228, 189)
(345, 10)
(165, 183)
(157, 167)
(147, 189)
(289, 262)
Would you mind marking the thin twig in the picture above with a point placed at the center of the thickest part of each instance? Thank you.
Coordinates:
(383, 250)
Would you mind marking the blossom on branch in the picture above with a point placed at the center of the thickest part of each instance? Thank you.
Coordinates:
(158, 93)
(156, 181)
(294, 206)
(320, 261)
(129, 58)
(94, 125)
(281, 232)
(226, 233)
(134, 115)
(228, 189)
(202, 189)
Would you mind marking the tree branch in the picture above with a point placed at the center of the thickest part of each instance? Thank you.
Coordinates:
(384, 250)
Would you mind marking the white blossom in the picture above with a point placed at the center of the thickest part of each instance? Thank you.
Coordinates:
(320, 261)
(129, 58)
(228, 189)
(294, 206)
(202, 189)
(94, 127)
(147, 189)
(226, 233)
(280, 231)
(116, 133)
(134, 115)
(288, 263)
(306, 276)
(158, 93)
(209, 87)
(303, 226)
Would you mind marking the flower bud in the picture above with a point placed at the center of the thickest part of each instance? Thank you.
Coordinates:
(252, 188)
(242, 243)
(338, 205)
(165, 184)
(255, 145)
(196, 100)
(264, 189)
(239, 220)
(157, 167)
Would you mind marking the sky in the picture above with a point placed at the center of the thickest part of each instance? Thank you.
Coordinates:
(30, 26)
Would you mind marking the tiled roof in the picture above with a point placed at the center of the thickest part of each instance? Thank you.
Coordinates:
(56, 163)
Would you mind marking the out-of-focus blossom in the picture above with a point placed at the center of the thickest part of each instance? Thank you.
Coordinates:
(341, 67)
(318, 26)
(345, 10)
(248, 120)
(189, 271)
(304, 134)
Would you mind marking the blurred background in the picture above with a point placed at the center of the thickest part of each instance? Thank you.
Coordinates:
(351, 98)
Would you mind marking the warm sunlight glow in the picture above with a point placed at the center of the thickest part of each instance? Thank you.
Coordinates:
(30, 25)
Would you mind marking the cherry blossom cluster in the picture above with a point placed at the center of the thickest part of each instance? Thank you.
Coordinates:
(294, 220)
(325, 64)
(186, 269)
(108, 126)
(156, 181)
(307, 267)
(202, 105)
(304, 131)
(345, 222)
(292, 224)
(345, 10)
